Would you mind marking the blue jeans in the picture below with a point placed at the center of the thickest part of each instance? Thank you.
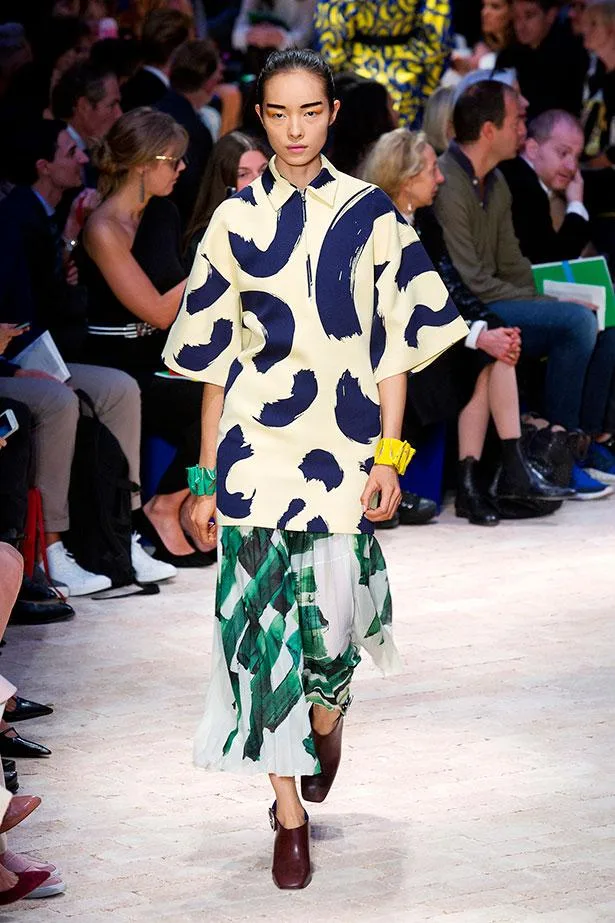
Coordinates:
(598, 411)
(566, 334)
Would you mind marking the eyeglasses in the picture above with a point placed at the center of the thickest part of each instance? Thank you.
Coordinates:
(174, 161)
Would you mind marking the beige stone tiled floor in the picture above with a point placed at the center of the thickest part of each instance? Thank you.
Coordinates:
(477, 787)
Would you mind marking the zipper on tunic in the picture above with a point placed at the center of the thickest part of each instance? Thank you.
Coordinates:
(308, 264)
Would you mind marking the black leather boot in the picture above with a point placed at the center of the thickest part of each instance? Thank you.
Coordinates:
(517, 479)
(470, 502)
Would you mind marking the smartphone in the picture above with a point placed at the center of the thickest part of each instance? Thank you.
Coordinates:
(8, 424)
(24, 326)
(374, 503)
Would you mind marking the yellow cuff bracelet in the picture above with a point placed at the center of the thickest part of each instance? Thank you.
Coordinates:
(394, 452)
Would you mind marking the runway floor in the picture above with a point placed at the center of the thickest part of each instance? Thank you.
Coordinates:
(477, 787)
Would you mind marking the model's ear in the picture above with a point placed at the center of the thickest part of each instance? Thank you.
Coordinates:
(334, 111)
(257, 109)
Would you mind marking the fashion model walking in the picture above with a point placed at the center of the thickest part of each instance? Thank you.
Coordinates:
(309, 301)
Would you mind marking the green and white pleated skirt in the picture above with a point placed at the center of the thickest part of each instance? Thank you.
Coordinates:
(292, 611)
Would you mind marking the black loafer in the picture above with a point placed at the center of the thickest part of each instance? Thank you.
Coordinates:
(15, 747)
(8, 765)
(24, 709)
(41, 613)
(416, 511)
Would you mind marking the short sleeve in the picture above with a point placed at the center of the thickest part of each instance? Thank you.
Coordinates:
(415, 318)
(206, 335)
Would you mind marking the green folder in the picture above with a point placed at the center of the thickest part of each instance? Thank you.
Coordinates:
(590, 271)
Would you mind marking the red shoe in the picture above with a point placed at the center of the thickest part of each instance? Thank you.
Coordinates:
(28, 881)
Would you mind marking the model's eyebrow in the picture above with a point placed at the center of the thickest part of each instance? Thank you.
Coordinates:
(304, 106)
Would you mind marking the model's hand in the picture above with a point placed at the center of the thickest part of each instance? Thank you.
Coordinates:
(574, 191)
(383, 480)
(504, 344)
(203, 518)
(2, 443)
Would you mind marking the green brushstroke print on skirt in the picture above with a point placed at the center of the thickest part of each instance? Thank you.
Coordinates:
(292, 611)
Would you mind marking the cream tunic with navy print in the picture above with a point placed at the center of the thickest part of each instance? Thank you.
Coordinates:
(299, 303)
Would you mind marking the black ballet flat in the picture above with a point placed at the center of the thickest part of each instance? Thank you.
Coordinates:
(196, 559)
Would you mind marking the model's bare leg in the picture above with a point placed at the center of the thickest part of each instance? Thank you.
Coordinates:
(289, 810)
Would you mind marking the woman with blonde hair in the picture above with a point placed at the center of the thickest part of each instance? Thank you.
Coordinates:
(438, 118)
(475, 379)
(135, 277)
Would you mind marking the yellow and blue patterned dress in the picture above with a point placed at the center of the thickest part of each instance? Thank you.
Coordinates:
(299, 303)
(403, 44)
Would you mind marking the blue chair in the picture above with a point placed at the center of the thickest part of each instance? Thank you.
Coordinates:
(425, 472)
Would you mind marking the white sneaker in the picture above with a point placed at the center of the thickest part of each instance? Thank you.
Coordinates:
(49, 888)
(64, 569)
(148, 569)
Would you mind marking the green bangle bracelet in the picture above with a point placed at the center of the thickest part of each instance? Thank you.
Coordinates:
(201, 481)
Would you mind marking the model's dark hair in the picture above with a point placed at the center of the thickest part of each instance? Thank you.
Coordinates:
(295, 59)
(220, 176)
(353, 133)
(483, 102)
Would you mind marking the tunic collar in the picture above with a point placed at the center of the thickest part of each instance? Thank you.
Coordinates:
(279, 189)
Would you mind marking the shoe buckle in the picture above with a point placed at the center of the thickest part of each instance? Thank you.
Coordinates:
(272, 819)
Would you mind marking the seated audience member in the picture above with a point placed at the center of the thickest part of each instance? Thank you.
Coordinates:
(403, 46)
(550, 61)
(236, 161)
(163, 32)
(548, 168)
(474, 211)
(119, 56)
(135, 277)
(476, 379)
(353, 134)
(438, 119)
(88, 100)
(275, 25)
(509, 79)
(496, 35)
(599, 124)
(52, 161)
(195, 74)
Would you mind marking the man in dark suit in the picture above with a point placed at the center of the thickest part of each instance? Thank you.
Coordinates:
(87, 98)
(195, 74)
(544, 177)
(163, 32)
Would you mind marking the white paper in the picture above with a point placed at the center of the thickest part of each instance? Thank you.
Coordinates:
(579, 291)
(43, 356)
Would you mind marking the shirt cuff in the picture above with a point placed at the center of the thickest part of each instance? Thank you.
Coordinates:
(577, 208)
(475, 331)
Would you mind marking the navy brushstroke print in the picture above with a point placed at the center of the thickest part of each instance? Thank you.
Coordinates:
(317, 524)
(231, 450)
(246, 195)
(424, 316)
(279, 325)
(294, 508)
(233, 372)
(284, 411)
(199, 357)
(357, 415)
(263, 263)
(414, 261)
(319, 465)
(341, 249)
(207, 294)
(323, 179)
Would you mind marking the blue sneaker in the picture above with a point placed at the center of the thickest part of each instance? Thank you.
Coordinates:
(600, 464)
(587, 488)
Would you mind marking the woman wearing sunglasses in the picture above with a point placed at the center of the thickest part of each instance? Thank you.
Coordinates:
(133, 269)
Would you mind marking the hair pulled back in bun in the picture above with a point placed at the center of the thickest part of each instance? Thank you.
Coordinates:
(137, 138)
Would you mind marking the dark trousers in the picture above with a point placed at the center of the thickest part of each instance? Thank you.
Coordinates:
(14, 473)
